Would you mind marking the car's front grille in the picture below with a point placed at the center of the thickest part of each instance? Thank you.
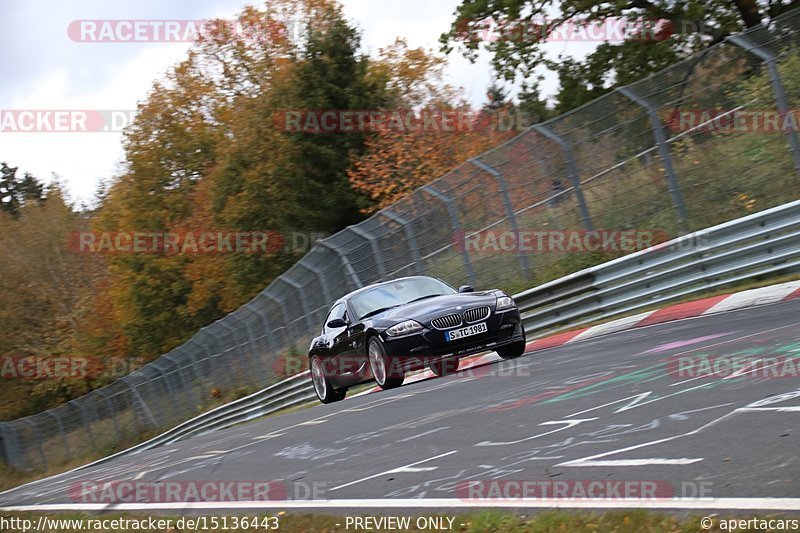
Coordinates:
(474, 315)
(447, 321)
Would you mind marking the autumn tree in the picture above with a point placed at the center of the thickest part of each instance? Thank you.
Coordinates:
(660, 33)
(398, 158)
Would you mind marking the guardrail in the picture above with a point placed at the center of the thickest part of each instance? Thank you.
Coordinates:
(763, 243)
(760, 244)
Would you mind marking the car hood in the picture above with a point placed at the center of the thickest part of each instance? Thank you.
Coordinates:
(431, 308)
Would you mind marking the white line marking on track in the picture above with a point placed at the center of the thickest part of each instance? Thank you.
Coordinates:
(394, 470)
(423, 434)
(590, 461)
(640, 462)
(764, 504)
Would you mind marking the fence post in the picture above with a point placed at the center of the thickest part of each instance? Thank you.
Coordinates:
(13, 456)
(84, 419)
(301, 296)
(61, 432)
(412, 239)
(326, 291)
(179, 373)
(777, 88)
(252, 346)
(137, 397)
(512, 218)
(264, 324)
(285, 312)
(39, 446)
(666, 158)
(572, 170)
(456, 226)
(5, 444)
(111, 409)
(348, 268)
(376, 251)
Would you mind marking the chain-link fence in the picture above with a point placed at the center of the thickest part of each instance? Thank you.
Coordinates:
(671, 153)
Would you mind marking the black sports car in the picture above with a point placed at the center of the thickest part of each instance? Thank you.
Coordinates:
(382, 331)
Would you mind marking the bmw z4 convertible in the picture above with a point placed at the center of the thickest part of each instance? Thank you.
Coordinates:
(385, 330)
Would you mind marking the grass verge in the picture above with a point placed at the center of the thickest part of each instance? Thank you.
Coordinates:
(622, 521)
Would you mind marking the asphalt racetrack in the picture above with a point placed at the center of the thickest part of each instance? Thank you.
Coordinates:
(614, 408)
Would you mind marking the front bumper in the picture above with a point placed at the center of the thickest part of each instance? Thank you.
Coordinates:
(411, 352)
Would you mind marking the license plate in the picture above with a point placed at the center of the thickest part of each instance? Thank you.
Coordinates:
(455, 334)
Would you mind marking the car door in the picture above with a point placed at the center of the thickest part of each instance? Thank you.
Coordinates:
(354, 356)
(336, 341)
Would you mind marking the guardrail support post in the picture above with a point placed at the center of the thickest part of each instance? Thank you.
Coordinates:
(572, 170)
(412, 239)
(666, 158)
(512, 218)
(456, 226)
(777, 88)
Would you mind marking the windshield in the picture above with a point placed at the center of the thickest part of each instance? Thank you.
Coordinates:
(397, 293)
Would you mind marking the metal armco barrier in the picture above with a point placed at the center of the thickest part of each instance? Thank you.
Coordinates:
(654, 155)
(757, 245)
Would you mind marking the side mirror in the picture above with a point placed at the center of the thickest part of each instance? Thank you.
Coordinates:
(337, 323)
(465, 288)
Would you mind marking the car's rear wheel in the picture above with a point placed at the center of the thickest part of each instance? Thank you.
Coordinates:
(511, 351)
(387, 376)
(445, 367)
(322, 386)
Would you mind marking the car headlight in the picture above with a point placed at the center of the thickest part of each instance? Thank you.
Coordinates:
(504, 302)
(404, 328)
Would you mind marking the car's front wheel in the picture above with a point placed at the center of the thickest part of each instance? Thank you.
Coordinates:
(511, 351)
(445, 367)
(322, 385)
(387, 376)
